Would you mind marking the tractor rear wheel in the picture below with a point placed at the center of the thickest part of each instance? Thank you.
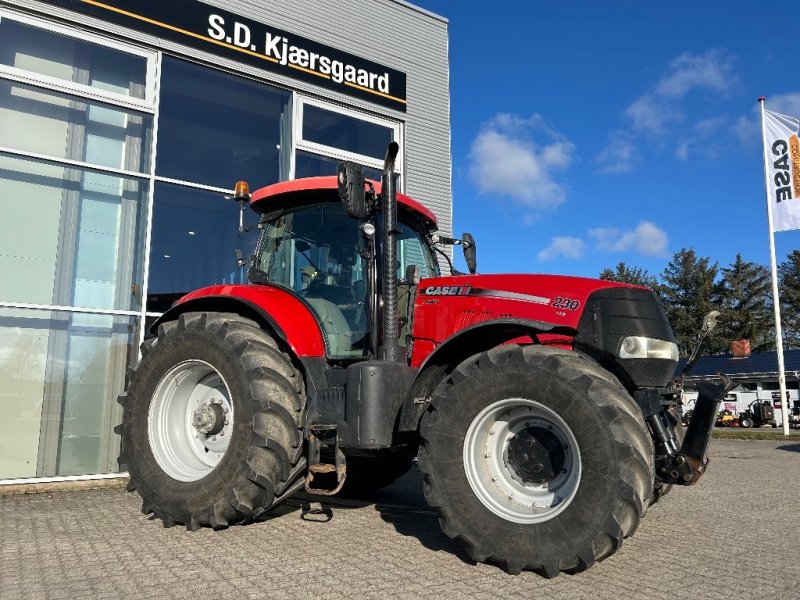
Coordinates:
(537, 459)
(746, 422)
(212, 422)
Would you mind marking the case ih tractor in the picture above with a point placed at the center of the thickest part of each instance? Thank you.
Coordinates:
(541, 408)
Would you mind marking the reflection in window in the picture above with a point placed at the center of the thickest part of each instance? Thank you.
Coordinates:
(62, 126)
(59, 376)
(413, 251)
(77, 61)
(195, 235)
(215, 128)
(345, 132)
(313, 165)
(81, 246)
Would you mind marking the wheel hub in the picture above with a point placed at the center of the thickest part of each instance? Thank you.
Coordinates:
(522, 460)
(191, 420)
(535, 455)
(209, 418)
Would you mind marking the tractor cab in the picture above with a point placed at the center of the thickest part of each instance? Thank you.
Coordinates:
(310, 245)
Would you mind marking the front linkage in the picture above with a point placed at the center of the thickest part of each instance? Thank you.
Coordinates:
(687, 464)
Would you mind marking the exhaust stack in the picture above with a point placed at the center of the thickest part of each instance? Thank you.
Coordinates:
(390, 350)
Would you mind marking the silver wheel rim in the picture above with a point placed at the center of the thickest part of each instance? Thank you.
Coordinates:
(494, 480)
(185, 450)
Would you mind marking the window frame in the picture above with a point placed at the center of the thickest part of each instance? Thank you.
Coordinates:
(49, 442)
(146, 104)
(333, 152)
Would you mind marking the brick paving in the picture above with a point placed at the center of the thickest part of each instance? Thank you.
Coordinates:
(736, 535)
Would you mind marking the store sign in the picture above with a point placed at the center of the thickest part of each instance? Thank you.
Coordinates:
(226, 34)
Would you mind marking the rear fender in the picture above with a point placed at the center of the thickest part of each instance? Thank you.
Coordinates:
(274, 309)
(460, 346)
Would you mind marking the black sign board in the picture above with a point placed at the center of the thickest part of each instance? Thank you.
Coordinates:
(226, 34)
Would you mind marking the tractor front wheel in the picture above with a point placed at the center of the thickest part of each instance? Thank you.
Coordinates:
(537, 459)
(212, 422)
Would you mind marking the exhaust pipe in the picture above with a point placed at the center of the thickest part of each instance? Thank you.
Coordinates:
(390, 350)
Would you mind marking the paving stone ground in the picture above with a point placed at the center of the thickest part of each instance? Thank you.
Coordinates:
(736, 535)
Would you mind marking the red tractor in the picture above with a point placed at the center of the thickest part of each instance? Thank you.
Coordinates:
(541, 408)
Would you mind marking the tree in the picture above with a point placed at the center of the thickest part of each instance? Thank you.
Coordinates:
(634, 275)
(747, 306)
(689, 291)
(789, 289)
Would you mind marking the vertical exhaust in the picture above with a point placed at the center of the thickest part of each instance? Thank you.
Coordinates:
(390, 350)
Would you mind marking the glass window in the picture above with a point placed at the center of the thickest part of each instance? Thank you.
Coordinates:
(313, 165)
(62, 126)
(77, 61)
(70, 236)
(194, 239)
(60, 373)
(215, 128)
(315, 251)
(345, 132)
(413, 250)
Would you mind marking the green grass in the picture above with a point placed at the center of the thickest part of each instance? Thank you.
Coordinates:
(737, 433)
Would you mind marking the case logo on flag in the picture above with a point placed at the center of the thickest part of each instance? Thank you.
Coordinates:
(782, 161)
(787, 168)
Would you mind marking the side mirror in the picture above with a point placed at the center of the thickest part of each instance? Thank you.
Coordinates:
(470, 252)
(351, 189)
(710, 321)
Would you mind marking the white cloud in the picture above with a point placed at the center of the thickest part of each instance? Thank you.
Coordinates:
(702, 139)
(711, 70)
(651, 112)
(518, 158)
(748, 128)
(620, 155)
(647, 239)
(662, 109)
(568, 247)
(788, 104)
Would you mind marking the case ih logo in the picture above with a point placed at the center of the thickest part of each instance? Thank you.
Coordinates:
(448, 290)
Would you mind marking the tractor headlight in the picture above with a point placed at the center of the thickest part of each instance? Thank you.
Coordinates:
(643, 347)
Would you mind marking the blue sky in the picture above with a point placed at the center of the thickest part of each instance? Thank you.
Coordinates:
(589, 133)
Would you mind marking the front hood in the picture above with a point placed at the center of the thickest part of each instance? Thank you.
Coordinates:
(603, 312)
(553, 298)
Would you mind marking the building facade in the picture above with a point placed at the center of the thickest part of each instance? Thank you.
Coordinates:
(123, 127)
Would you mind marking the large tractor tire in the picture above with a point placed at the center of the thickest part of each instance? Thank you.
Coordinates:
(212, 422)
(537, 459)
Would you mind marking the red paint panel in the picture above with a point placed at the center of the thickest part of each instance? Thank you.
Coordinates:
(278, 191)
(289, 313)
(444, 306)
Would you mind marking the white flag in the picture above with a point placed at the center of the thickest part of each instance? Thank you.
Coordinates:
(782, 164)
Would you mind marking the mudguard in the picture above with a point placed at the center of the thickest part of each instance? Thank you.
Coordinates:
(274, 308)
(464, 343)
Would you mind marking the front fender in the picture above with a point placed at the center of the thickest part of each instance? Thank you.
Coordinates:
(460, 346)
(488, 334)
(275, 309)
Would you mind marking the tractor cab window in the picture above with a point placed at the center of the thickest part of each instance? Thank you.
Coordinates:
(315, 251)
(413, 249)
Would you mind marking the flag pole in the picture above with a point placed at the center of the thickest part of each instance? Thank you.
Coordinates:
(775, 297)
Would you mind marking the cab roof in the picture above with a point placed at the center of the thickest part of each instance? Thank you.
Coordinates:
(277, 193)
